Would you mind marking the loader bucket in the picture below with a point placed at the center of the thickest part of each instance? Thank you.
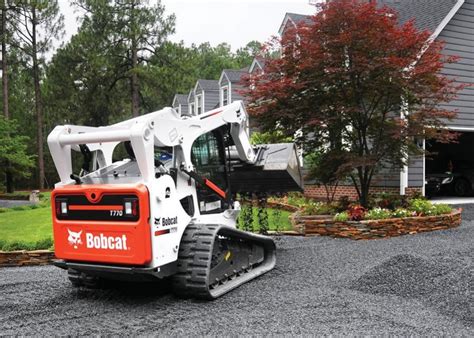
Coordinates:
(277, 170)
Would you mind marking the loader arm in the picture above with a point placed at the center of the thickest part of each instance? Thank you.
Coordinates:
(167, 209)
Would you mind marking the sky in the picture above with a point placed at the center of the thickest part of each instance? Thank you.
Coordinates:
(233, 21)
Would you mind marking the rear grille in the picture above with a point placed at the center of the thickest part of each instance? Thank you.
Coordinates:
(109, 208)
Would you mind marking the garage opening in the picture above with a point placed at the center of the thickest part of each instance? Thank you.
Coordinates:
(450, 168)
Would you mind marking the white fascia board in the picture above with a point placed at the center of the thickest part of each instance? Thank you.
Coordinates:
(195, 87)
(284, 23)
(447, 19)
(439, 29)
(221, 77)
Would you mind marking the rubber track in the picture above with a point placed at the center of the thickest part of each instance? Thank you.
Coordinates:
(79, 279)
(194, 261)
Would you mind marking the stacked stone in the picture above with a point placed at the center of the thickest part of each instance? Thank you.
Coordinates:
(374, 229)
(23, 258)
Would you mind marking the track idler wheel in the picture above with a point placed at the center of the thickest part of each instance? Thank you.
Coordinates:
(214, 259)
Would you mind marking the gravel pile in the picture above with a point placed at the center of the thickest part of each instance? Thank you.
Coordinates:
(445, 284)
(410, 285)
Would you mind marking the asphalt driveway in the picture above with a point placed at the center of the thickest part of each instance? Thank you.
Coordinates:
(411, 285)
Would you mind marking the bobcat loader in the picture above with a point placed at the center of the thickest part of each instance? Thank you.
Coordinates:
(168, 209)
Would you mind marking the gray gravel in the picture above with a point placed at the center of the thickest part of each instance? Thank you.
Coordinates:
(412, 285)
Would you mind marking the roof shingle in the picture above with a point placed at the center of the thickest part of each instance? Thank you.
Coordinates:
(428, 14)
(208, 84)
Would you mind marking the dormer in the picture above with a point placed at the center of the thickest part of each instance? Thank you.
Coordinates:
(257, 66)
(191, 105)
(230, 85)
(291, 20)
(206, 95)
(180, 104)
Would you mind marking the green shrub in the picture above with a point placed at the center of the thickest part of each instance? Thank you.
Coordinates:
(442, 209)
(43, 244)
(297, 200)
(21, 207)
(386, 200)
(378, 213)
(402, 213)
(342, 217)
(422, 207)
(2, 210)
(343, 203)
(318, 208)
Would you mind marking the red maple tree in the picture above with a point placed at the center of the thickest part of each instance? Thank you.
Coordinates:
(355, 82)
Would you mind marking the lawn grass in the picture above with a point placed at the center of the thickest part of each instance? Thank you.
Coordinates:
(26, 229)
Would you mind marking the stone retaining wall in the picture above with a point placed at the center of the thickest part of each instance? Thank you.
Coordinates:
(23, 258)
(314, 225)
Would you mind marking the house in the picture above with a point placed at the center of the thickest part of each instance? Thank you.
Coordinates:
(292, 20)
(230, 85)
(180, 103)
(191, 103)
(453, 22)
(257, 66)
(206, 96)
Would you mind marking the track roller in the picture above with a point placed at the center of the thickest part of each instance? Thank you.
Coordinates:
(213, 259)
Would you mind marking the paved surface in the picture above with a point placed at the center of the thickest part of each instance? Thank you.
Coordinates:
(452, 200)
(13, 203)
(412, 285)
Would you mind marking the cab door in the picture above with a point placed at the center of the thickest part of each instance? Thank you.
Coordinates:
(208, 157)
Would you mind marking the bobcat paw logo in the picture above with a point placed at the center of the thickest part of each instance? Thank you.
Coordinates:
(74, 238)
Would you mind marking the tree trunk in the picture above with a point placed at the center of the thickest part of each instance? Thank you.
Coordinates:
(6, 112)
(134, 82)
(38, 103)
(134, 76)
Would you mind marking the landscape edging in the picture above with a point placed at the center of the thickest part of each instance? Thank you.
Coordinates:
(26, 258)
(374, 229)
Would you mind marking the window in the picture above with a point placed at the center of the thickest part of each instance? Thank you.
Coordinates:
(199, 104)
(225, 96)
(208, 157)
(191, 109)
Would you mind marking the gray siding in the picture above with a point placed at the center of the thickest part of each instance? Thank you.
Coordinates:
(415, 172)
(387, 177)
(459, 38)
(235, 95)
(211, 99)
(184, 109)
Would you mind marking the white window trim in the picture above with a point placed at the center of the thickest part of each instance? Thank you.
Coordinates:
(191, 108)
(179, 109)
(201, 96)
(223, 88)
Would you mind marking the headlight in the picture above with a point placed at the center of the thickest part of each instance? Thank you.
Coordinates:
(447, 180)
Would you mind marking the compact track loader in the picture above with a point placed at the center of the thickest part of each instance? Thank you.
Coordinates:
(168, 209)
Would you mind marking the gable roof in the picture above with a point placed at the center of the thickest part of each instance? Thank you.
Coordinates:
(259, 62)
(234, 75)
(181, 99)
(428, 14)
(207, 84)
(294, 19)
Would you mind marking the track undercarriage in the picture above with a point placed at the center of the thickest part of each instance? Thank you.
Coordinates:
(214, 259)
